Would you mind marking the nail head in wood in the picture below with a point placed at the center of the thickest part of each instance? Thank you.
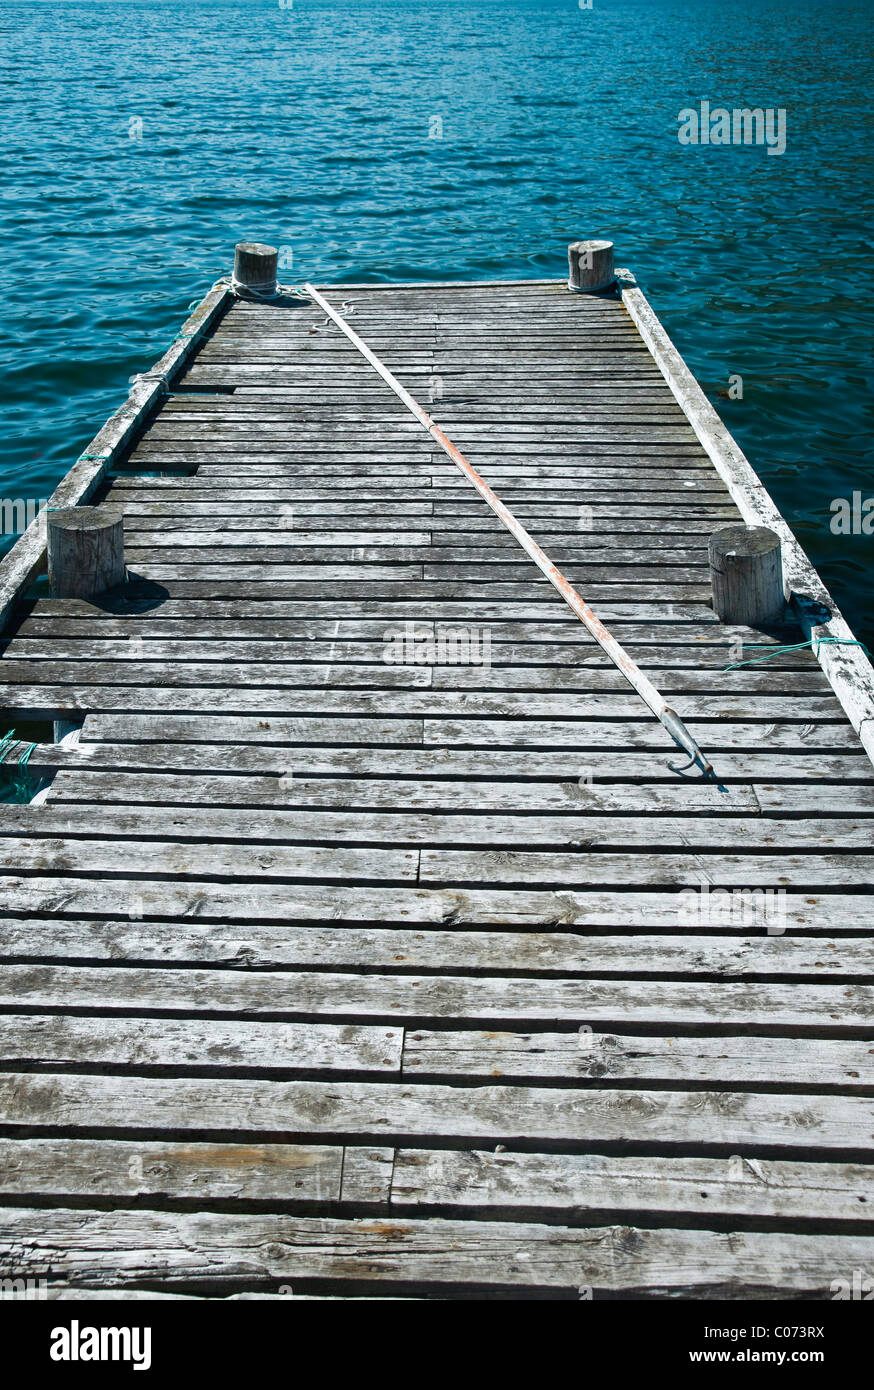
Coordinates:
(746, 575)
(255, 267)
(85, 548)
(590, 266)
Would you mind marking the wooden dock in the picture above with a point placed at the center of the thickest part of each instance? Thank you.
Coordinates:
(332, 965)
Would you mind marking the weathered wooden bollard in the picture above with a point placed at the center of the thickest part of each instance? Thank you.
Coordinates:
(85, 547)
(746, 576)
(590, 266)
(255, 268)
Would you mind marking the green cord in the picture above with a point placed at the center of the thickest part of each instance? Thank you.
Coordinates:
(7, 745)
(799, 646)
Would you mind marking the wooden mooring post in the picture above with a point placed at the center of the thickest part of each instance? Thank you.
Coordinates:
(255, 269)
(85, 555)
(590, 266)
(85, 550)
(746, 575)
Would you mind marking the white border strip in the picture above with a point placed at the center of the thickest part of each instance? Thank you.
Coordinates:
(26, 559)
(848, 669)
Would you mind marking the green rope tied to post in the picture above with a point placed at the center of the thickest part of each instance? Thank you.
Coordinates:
(797, 647)
(8, 743)
(93, 456)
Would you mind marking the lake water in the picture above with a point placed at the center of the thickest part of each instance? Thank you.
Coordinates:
(391, 139)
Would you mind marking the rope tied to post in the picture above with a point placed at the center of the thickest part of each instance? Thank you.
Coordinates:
(8, 744)
(814, 644)
(240, 291)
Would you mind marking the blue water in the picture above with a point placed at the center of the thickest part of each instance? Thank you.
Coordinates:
(314, 127)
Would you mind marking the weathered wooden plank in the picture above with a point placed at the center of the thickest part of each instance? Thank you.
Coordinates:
(641, 869)
(305, 637)
(213, 1046)
(480, 766)
(516, 605)
(153, 1170)
(228, 902)
(594, 781)
(270, 946)
(272, 545)
(481, 733)
(669, 679)
(267, 827)
(139, 672)
(313, 562)
(318, 517)
(366, 1111)
(182, 729)
(346, 792)
(829, 1009)
(34, 699)
(122, 1248)
(246, 858)
(432, 645)
(790, 1063)
(285, 536)
(663, 1188)
(557, 734)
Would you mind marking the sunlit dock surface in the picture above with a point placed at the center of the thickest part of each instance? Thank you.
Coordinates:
(365, 944)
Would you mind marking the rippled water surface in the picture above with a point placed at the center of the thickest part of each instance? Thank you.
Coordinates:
(314, 126)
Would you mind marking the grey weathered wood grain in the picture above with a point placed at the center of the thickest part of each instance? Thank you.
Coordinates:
(790, 1063)
(808, 910)
(121, 1248)
(734, 954)
(831, 1009)
(121, 728)
(151, 1170)
(307, 762)
(719, 1122)
(209, 1045)
(274, 871)
(235, 862)
(664, 1188)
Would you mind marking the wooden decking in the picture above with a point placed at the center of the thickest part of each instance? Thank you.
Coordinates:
(406, 978)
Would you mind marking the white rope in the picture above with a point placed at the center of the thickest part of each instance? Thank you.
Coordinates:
(241, 291)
